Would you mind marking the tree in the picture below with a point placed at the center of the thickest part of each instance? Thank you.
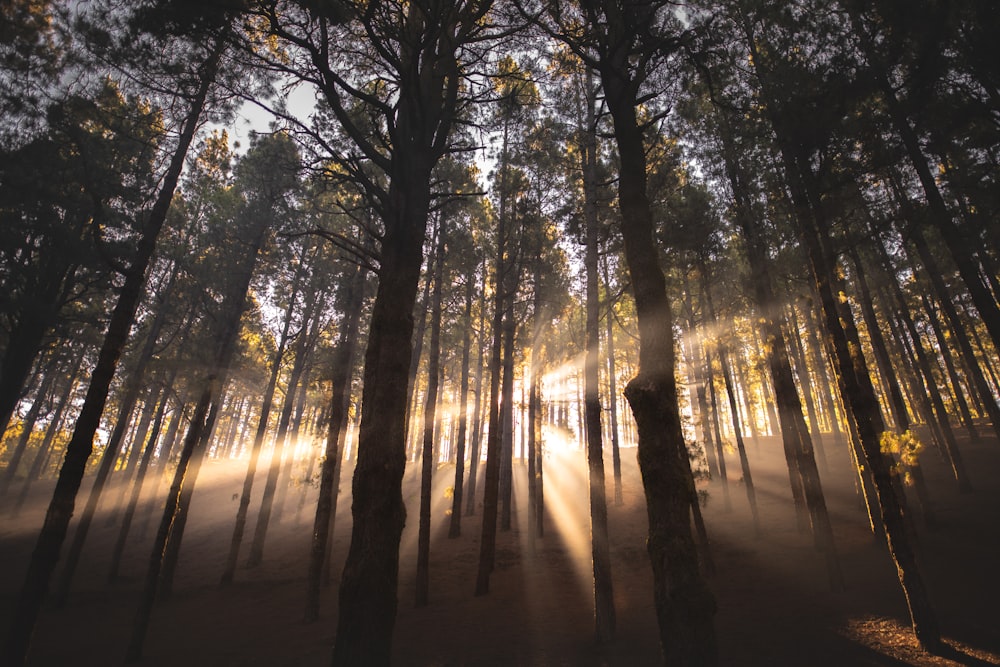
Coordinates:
(80, 447)
(624, 44)
(398, 128)
(266, 176)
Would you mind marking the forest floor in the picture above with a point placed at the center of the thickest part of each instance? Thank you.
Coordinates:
(775, 607)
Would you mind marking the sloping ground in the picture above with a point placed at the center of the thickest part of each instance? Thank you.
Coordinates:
(775, 607)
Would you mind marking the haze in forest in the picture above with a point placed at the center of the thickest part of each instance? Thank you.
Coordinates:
(473, 332)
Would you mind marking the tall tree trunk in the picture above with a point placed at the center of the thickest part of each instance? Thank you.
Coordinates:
(329, 484)
(133, 387)
(368, 586)
(53, 532)
(506, 480)
(477, 409)
(896, 402)
(25, 338)
(28, 426)
(455, 525)
(418, 347)
(805, 381)
(604, 606)
(311, 334)
(491, 483)
(45, 448)
(429, 453)
(795, 437)
(954, 236)
(685, 606)
(727, 378)
(719, 443)
(958, 328)
(167, 544)
(616, 456)
(949, 363)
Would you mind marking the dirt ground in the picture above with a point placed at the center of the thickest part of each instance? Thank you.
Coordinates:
(775, 607)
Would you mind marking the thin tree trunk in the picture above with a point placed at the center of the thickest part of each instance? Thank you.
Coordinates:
(491, 492)
(429, 453)
(262, 421)
(166, 546)
(45, 448)
(805, 381)
(112, 450)
(720, 449)
(477, 410)
(256, 555)
(329, 485)
(957, 325)
(616, 456)
(852, 369)
(954, 236)
(28, 427)
(507, 420)
(604, 606)
(140, 476)
(455, 526)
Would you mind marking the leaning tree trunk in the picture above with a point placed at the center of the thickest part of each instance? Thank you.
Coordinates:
(140, 476)
(256, 555)
(851, 367)
(49, 374)
(727, 376)
(262, 422)
(955, 238)
(958, 330)
(795, 437)
(45, 448)
(719, 445)
(50, 539)
(167, 544)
